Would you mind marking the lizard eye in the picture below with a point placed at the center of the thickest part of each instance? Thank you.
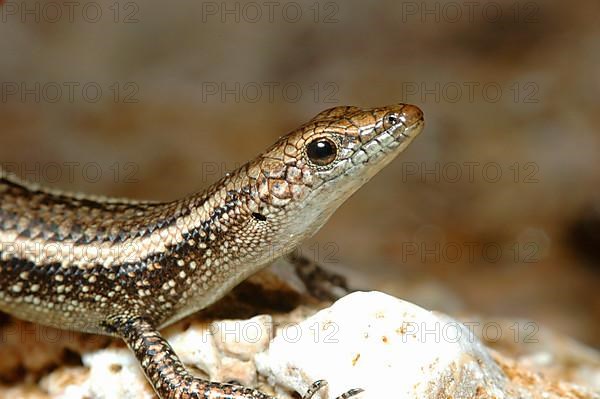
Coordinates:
(321, 151)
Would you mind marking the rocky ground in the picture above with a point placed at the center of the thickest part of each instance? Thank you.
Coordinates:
(288, 337)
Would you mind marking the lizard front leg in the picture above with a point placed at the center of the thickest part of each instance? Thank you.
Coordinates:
(167, 374)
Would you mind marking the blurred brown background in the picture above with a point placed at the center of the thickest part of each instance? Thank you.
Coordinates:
(494, 210)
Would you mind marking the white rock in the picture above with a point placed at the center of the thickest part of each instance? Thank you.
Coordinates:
(243, 338)
(386, 346)
(224, 350)
(196, 346)
(113, 373)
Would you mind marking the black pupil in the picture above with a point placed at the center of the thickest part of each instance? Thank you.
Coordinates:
(321, 151)
(392, 119)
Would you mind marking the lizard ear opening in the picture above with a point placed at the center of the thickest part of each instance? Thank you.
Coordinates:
(259, 216)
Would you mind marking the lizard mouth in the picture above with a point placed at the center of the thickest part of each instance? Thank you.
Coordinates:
(411, 118)
(406, 123)
(407, 133)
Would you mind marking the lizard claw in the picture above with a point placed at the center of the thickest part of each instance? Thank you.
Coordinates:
(318, 385)
(351, 393)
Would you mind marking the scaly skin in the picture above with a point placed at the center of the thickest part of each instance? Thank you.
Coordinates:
(127, 268)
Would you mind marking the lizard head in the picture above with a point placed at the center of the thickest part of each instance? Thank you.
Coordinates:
(307, 174)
